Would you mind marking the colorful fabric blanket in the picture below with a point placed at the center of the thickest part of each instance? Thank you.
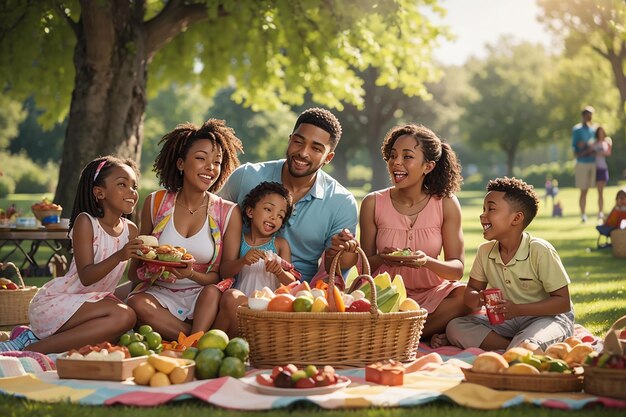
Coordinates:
(435, 382)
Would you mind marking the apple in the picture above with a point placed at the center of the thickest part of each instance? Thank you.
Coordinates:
(265, 379)
(305, 383)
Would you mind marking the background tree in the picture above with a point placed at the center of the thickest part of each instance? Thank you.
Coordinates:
(601, 26)
(507, 112)
(11, 115)
(272, 52)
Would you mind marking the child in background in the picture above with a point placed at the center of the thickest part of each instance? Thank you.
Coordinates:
(80, 308)
(536, 304)
(616, 215)
(602, 148)
(266, 209)
(193, 163)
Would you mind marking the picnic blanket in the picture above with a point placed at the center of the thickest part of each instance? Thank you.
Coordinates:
(435, 382)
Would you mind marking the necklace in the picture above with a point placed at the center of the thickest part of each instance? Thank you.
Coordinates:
(417, 204)
(192, 212)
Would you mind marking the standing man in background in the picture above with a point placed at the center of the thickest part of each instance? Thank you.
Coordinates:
(585, 171)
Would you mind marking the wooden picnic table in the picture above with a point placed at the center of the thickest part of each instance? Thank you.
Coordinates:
(16, 240)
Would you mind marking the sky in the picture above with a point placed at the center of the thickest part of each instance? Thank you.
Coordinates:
(478, 22)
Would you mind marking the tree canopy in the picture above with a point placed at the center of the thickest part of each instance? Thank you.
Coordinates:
(92, 59)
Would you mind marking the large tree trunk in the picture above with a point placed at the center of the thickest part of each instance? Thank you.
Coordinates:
(109, 100)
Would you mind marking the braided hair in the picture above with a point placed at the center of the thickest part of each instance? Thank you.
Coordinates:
(177, 143)
(266, 188)
(93, 175)
(445, 179)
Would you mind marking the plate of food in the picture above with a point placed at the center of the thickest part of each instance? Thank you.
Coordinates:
(342, 382)
(401, 255)
(163, 255)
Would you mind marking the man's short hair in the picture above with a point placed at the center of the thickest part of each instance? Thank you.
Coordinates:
(521, 196)
(323, 119)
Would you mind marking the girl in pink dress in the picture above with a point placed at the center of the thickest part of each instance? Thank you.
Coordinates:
(419, 212)
(80, 308)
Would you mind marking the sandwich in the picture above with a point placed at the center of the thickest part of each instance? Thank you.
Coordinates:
(168, 253)
(148, 249)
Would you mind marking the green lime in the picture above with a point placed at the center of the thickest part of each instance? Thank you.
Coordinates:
(215, 338)
(153, 339)
(232, 366)
(238, 348)
(302, 304)
(136, 337)
(311, 370)
(208, 362)
(137, 349)
(124, 339)
(190, 353)
(145, 329)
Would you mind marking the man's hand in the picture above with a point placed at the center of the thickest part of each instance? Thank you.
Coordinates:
(343, 240)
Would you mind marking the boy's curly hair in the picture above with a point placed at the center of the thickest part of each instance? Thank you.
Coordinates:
(176, 144)
(323, 119)
(521, 196)
(266, 188)
(445, 179)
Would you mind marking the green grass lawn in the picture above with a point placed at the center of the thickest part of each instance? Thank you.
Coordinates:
(598, 290)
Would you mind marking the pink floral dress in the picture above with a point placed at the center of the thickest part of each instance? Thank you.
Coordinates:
(57, 301)
(395, 230)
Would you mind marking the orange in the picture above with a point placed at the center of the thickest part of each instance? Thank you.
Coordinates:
(282, 302)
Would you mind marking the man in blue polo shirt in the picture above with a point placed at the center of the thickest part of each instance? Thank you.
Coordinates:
(585, 171)
(324, 217)
(323, 208)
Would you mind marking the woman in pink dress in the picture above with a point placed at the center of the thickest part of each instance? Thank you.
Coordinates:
(420, 212)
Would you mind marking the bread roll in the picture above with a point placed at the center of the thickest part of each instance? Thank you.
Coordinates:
(489, 362)
(515, 353)
(558, 350)
(578, 354)
(149, 240)
(522, 369)
(573, 341)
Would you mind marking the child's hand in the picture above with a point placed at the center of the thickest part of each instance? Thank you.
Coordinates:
(507, 309)
(274, 266)
(130, 249)
(253, 256)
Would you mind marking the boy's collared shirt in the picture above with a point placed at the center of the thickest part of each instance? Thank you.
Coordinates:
(534, 272)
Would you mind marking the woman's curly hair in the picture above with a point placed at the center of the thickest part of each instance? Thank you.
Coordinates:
(177, 143)
(445, 179)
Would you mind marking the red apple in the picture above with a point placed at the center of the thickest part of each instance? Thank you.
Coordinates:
(305, 383)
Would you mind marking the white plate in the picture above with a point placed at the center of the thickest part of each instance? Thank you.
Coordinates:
(300, 392)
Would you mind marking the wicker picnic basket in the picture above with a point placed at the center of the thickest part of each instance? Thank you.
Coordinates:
(545, 382)
(14, 303)
(609, 382)
(618, 243)
(342, 340)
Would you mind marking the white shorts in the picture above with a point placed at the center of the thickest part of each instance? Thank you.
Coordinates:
(181, 303)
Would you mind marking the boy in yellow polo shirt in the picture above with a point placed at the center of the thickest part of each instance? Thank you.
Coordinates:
(536, 303)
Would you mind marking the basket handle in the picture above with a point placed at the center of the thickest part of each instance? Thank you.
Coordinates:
(619, 324)
(11, 265)
(336, 269)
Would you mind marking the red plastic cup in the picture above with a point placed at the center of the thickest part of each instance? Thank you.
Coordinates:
(492, 298)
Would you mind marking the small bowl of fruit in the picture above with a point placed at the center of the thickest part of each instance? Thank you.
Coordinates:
(46, 212)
